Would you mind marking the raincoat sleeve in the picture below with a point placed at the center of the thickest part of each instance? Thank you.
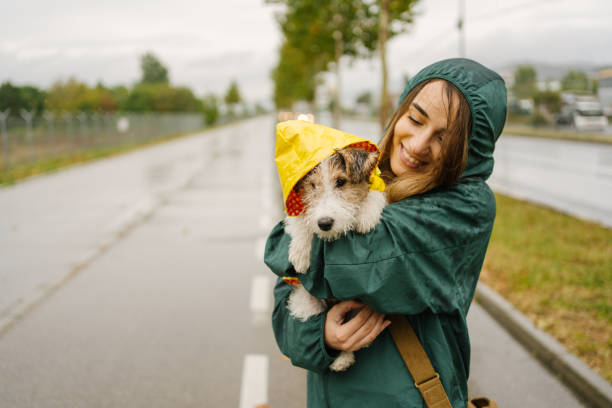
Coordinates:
(425, 254)
(302, 342)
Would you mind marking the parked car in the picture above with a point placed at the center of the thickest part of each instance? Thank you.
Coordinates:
(582, 112)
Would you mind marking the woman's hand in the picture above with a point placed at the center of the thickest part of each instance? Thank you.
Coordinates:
(358, 332)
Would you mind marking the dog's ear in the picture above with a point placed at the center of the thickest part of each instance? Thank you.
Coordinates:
(358, 163)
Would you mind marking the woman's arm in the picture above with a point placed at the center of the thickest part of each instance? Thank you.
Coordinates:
(302, 342)
(314, 344)
(425, 254)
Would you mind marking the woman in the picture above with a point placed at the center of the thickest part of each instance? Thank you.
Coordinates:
(423, 259)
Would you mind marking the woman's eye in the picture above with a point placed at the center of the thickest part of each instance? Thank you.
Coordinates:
(340, 182)
(413, 120)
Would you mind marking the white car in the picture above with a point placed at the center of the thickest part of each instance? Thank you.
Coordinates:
(588, 115)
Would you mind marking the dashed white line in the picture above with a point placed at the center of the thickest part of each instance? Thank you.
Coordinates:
(260, 294)
(254, 388)
(260, 248)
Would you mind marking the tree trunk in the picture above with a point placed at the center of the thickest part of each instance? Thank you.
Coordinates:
(338, 55)
(382, 42)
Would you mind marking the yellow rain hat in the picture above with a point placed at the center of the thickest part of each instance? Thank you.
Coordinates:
(301, 146)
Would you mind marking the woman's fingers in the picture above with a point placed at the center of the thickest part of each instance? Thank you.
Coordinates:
(336, 334)
(381, 324)
(348, 329)
(339, 311)
(357, 332)
(356, 340)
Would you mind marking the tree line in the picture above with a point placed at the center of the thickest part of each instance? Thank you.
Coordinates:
(152, 93)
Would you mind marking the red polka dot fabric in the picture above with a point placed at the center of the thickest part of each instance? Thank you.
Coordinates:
(368, 147)
(294, 204)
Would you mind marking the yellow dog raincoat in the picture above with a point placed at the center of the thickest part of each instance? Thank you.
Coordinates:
(301, 146)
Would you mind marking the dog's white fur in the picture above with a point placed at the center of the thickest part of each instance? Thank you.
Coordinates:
(352, 206)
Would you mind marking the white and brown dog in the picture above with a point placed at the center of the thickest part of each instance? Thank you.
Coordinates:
(337, 199)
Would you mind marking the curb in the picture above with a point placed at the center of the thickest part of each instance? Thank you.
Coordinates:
(596, 391)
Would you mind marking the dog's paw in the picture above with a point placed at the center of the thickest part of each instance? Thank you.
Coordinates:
(370, 212)
(366, 224)
(343, 361)
(302, 304)
(300, 260)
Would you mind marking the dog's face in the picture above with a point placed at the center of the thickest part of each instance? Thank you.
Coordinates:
(333, 191)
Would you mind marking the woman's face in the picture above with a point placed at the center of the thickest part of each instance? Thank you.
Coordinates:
(420, 131)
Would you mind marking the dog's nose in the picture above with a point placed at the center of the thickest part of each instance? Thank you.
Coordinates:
(325, 223)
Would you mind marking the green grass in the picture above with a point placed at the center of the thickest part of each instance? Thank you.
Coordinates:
(557, 270)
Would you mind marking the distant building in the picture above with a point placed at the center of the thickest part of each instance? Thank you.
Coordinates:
(604, 90)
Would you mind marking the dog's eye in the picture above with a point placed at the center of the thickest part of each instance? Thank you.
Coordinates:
(313, 185)
(340, 182)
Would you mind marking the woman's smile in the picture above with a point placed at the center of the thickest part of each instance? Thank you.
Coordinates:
(409, 160)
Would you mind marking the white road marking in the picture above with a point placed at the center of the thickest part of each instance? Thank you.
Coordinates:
(260, 248)
(260, 300)
(254, 388)
(260, 294)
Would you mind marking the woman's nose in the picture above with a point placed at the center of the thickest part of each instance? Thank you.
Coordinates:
(420, 143)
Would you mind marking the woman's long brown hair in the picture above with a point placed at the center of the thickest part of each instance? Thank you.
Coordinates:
(453, 153)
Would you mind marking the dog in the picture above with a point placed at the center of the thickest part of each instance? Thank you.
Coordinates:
(337, 199)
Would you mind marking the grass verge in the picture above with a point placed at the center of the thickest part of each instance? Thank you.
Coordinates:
(557, 134)
(557, 270)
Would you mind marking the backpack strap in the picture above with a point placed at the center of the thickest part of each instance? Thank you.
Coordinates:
(426, 379)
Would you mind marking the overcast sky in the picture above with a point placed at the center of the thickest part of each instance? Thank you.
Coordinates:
(207, 43)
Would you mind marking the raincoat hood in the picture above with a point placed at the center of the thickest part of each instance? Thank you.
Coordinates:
(485, 92)
(301, 146)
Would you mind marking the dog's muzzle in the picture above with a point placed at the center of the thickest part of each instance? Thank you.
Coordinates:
(325, 223)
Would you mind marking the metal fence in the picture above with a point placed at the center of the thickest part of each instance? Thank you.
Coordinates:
(28, 138)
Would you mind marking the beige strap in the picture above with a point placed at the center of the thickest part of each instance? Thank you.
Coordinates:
(426, 379)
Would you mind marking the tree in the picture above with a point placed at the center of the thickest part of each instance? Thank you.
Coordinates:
(550, 100)
(395, 16)
(354, 28)
(210, 109)
(69, 96)
(525, 82)
(576, 81)
(323, 34)
(153, 71)
(232, 96)
(295, 77)
(162, 97)
(17, 98)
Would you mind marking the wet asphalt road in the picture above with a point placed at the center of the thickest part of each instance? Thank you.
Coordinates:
(129, 282)
(573, 177)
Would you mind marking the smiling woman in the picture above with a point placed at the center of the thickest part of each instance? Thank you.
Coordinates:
(425, 145)
(423, 259)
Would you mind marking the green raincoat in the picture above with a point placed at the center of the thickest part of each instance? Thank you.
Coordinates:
(422, 260)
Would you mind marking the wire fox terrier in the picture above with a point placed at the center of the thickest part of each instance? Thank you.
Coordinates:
(337, 199)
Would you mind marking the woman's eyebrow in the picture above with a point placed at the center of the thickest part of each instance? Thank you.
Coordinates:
(418, 107)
